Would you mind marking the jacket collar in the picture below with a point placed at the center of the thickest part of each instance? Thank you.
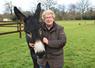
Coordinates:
(53, 28)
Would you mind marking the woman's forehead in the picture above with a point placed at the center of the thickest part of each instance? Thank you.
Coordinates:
(48, 14)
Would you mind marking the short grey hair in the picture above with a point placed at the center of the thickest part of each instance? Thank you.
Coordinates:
(46, 12)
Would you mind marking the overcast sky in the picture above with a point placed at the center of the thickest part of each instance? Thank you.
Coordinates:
(26, 4)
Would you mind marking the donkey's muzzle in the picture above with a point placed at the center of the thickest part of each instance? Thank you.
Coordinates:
(40, 54)
(39, 49)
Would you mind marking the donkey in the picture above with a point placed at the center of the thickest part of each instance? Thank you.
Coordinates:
(33, 33)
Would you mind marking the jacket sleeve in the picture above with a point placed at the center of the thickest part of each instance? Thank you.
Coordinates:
(60, 42)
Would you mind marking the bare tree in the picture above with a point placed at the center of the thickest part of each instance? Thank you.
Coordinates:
(45, 4)
(72, 7)
(82, 6)
(72, 11)
(8, 7)
(49, 3)
(60, 12)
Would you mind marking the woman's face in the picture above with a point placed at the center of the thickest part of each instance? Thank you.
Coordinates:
(48, 19)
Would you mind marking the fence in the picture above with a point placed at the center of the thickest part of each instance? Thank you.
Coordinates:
(18, 25)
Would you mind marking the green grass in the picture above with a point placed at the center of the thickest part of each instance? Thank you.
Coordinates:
(79, 51)
(14, 52)
(80, 47)
(7, 29)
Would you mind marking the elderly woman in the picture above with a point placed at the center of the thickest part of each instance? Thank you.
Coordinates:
(54, 39)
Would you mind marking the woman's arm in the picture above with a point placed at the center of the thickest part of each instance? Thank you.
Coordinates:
(57, 43)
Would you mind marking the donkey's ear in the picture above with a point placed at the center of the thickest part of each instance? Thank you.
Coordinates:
(18, 14)
(38, 10)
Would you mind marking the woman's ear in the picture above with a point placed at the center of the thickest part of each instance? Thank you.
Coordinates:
(19, 15)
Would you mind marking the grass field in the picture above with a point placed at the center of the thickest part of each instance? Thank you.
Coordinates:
(79, 51)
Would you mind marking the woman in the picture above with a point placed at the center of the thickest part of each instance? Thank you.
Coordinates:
(54, 39)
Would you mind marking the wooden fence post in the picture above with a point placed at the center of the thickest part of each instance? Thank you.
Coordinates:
(19, 28)
(20, 34)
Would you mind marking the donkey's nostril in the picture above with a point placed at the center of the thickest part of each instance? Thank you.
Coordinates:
(40, 54)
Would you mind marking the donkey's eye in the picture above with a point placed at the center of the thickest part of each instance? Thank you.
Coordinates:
(40, 32)
(29, 35)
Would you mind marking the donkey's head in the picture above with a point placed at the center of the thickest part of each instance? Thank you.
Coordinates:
(31, 23)
(31, 27)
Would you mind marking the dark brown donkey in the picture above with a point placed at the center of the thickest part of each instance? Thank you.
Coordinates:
(33, 33)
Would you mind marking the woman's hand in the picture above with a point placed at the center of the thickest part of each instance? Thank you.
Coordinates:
(31, 45)
(45, 40)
